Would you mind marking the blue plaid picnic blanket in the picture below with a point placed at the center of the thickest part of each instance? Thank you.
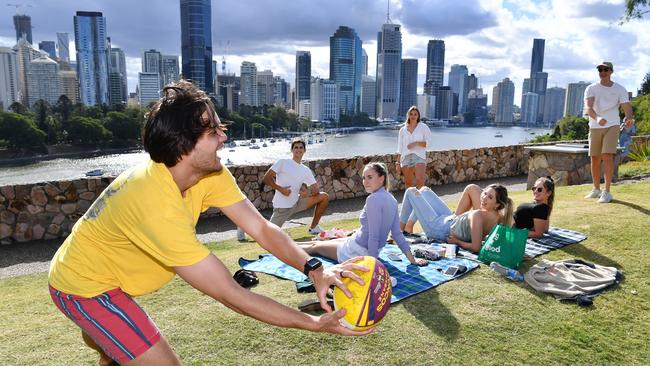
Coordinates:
(555, 238)
(411, 279)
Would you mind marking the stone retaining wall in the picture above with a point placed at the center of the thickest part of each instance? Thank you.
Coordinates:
(49, 210)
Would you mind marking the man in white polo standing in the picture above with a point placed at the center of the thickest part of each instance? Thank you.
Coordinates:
(602, 101)
(287, 176)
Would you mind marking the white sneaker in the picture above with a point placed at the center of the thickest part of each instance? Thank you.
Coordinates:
(315, 230)
(595, 193)
(606, 197)
(241, 235)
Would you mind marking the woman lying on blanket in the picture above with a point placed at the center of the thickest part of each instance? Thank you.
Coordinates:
(378, 217)
(477, 213)
(535, 216)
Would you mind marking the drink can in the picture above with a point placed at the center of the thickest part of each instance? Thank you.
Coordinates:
(451, 251)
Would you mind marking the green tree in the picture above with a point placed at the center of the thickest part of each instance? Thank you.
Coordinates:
(122, 126)
(41, 110)
(63, 108)
(21, 132)
(641, 107)
(645, 85)
(635, 9)
(567, 128)
(19, 108)
(87, 131)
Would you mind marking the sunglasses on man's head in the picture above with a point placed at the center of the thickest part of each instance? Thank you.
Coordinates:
(603, 69)
(538, 189)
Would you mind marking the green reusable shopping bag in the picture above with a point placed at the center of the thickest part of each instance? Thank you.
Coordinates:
(504, 245)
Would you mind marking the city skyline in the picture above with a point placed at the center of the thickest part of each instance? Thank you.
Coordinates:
(492, 38)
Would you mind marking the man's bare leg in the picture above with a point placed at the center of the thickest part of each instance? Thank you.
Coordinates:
(595, 171)
(608, 169)
(321, 201)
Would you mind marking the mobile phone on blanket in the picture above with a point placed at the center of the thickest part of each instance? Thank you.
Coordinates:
(395, 257)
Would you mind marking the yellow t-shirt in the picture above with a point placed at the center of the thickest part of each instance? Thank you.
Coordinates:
(136, 231)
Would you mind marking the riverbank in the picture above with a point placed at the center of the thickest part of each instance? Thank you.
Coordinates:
(64, 151)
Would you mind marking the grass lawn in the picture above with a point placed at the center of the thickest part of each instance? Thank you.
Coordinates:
(634, 169)
(481, 318)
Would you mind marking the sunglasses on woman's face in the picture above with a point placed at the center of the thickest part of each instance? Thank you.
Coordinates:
(603, 69)
(538, 189)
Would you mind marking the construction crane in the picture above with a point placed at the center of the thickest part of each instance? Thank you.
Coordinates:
(223, 58)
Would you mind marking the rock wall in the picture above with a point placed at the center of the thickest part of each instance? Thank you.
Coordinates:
(49, 210)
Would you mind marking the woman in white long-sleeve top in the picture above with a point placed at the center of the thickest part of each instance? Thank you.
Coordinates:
(378, 217)
(412, 145)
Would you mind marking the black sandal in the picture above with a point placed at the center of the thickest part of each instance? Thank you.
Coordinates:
(246, 278)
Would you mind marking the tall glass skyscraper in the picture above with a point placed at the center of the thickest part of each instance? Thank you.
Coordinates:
(303, 76)
(435, 61)
(23, 26)
(537, 59)
(92, 57)
(196, 42)
(409, 85)
(63, 45)
(389, 67)
(346, 67)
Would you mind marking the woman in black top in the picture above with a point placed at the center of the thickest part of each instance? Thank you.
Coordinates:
(535, 216)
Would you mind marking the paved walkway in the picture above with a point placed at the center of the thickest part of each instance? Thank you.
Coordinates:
(34, 257)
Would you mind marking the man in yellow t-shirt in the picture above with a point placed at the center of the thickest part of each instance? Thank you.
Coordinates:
(140, 232)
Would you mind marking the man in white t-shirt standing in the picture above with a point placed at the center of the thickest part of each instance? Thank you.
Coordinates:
(287, 177)
(602, 101)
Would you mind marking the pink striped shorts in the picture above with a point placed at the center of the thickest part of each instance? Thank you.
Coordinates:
(113, 320)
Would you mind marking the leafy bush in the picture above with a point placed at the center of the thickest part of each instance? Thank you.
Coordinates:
(86, 131)
(20, 131)
(640, 151)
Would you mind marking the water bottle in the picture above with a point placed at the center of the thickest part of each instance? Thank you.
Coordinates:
(507, 272)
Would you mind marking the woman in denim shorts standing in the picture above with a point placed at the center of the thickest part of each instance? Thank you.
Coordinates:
(412, 145)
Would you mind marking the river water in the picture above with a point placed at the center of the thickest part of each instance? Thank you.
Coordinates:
(376, 142)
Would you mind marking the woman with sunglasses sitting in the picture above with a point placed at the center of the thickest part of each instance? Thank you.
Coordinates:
(477, 213)
(535, 216)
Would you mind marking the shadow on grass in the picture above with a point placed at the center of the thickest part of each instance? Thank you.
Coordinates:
(426, 307)
(583, 252)
(641, 209)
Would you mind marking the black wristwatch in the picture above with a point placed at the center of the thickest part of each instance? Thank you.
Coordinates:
(312, 264)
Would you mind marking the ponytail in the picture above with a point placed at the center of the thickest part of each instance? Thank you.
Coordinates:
(507, 217)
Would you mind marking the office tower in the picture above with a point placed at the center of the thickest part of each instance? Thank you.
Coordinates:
(303, 75)
(196, 42)
(43, 80)
(503, 96)
(389, 65)
(63, 45)
(458, 81)
(538, 83)
(92, 57)
(49, 47)
(324, 100)
(472, 83)
(554, 105)
(346, 63)
(170, 69)
(69, 85)
(248, 74)
(9, 84)
(265, 86)
(435, 61)
(25, 53)
(529, 109)
(118, 92)
(538, 78)
(445, 104)
(574, 101)
(427, 106)
(364, 64)
(229, 97)
(368, 96)
(151, 61)
(23, 26)
(477, 106)
(280, 92)
(149, 87)
(408, 85)
(304, 108)
(537, 58)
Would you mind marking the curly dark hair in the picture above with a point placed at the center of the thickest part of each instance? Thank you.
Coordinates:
(174, 123)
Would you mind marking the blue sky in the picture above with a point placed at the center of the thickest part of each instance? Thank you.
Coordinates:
(492, 37)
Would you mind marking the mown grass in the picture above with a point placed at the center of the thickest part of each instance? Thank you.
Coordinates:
(634, 169)
(481, 318)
